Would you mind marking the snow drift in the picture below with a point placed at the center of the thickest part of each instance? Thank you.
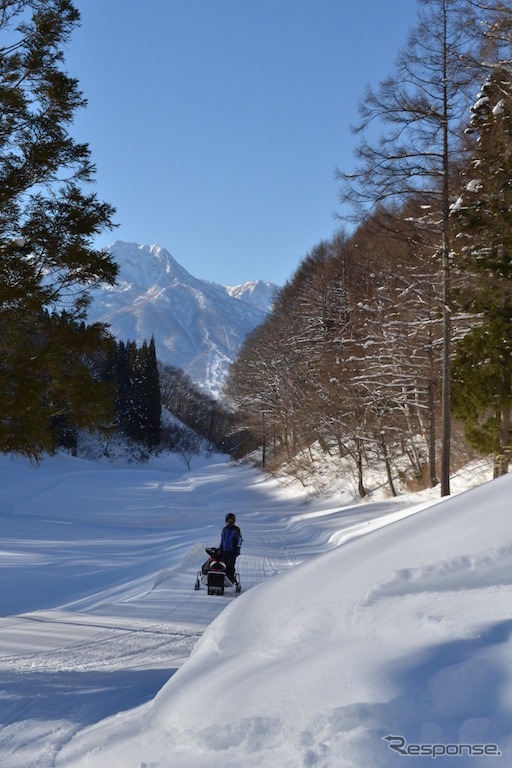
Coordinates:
(403, 632)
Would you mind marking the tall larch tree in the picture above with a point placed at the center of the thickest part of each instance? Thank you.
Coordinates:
(409, 146)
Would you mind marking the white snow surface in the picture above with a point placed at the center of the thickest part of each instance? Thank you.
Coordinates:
(197, 325)
(356, 621)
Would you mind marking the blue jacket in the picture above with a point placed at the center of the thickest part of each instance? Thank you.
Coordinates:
(231, 539)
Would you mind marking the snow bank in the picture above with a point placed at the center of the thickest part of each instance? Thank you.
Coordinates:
(401, 633)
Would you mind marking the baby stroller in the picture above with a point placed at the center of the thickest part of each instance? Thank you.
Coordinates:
(213, 574)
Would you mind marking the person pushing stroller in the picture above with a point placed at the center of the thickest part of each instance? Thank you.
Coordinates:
(230, 544)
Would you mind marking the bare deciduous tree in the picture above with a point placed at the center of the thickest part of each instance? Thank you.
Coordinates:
(420, 107)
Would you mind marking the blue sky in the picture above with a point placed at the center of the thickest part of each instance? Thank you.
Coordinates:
(216, 125)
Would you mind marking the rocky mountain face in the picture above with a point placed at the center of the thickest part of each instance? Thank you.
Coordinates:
(197, 325)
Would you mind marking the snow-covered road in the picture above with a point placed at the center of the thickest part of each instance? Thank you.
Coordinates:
(98, 612)
(98, 564)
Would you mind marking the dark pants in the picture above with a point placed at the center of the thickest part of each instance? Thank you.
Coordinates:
(229, 558)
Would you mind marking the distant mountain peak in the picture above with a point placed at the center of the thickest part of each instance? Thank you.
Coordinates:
(143, 263)
(256, 293)
(198, 325)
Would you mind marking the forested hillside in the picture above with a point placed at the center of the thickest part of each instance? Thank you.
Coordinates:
(350, 359)
(384, 334)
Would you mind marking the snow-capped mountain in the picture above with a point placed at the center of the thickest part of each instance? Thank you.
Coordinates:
(197, 325)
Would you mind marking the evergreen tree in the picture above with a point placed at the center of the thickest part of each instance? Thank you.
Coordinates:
(483, 215)
(121, 375)
(78, 375)
(135, 409)
(47, 224)
(154, 408)
(482, 395)
(137, 401)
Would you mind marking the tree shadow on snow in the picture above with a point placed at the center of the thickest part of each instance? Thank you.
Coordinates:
(455, 692)
(83, 698)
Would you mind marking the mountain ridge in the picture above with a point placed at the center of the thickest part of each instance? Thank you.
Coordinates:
(198, 325)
